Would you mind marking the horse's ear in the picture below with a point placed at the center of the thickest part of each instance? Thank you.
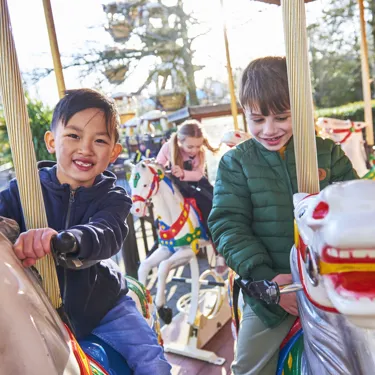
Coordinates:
(298, 197)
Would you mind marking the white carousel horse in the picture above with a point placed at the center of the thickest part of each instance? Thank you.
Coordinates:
(234, 137)
(33, 339)
(334, 260)
(333, 266)
(181, 234)
(180, 230)
(349, 135)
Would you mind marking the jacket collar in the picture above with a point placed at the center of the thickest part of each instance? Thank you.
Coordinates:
(49, 180)
(289, 146)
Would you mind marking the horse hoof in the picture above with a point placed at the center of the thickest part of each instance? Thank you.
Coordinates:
(165, 314)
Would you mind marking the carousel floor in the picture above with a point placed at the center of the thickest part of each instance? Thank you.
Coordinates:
(221, 344)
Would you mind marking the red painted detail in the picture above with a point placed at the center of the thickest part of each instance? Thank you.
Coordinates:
(237, 135)
(295, 328)
(302, 248)
(319, 306)
(154, 185)
(310, 195)
(138, 198)
(80, 356)
(348, 132)
(354, 284)
(193, 203)
(321, 211)
(175, 228)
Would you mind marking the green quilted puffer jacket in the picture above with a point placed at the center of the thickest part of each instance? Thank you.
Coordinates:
(251, 221)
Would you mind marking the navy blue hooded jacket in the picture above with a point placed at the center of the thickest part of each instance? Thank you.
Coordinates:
(96, 216)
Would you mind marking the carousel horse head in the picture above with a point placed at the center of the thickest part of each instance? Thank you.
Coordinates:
(349, 135)
(234, 137)
(335, 241)
(339, 130)
(144, 182)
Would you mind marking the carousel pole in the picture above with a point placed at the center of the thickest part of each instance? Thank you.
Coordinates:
(54, 47)
(233, 100)
(366, 85)
(294, 19)
(20, 140)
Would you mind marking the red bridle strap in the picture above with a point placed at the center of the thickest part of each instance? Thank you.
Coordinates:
(154, 185)
(349, 132)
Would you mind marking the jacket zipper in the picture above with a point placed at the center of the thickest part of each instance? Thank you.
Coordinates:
(71, 201)
(67, 220)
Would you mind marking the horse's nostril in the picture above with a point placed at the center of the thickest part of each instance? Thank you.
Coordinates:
(137, 210)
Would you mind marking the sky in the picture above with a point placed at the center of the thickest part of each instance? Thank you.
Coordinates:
(254, 30)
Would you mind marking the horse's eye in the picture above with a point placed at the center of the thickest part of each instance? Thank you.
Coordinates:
(145, 185)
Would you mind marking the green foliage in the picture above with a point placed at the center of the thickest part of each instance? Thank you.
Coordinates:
(350, 111)
(40, 119)
(335, 52)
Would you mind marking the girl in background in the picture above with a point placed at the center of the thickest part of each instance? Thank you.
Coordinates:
(185, 154)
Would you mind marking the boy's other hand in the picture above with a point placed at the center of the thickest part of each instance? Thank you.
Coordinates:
(178, 171)
(33, 245)
(287, 301)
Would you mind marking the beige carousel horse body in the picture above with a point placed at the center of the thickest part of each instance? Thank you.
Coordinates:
(34, 341)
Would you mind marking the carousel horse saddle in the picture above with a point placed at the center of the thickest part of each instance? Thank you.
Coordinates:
(108, 358)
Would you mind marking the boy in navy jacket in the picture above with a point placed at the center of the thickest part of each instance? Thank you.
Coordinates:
(81, 197)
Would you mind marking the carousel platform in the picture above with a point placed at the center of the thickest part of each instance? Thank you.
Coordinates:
(221, 344)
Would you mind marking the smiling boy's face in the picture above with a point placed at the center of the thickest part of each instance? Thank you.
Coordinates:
(83, 148)
(272, 131)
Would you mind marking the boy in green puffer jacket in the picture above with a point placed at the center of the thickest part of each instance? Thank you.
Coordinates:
(252, 217)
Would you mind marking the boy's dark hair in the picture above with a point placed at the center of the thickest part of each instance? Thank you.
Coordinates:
(264, 86)
(78, 100)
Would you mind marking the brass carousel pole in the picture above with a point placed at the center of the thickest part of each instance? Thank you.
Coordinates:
(20, 140)
(54, 47)
(366, 85)
(233, 100)
(300, 91)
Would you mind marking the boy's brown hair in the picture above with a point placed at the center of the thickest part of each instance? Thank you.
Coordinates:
(78, 100)
(264, 86)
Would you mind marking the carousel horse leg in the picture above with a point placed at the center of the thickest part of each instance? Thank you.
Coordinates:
(152, 261)
(180, 257)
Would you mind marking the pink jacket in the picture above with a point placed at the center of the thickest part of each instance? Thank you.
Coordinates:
(196, 174)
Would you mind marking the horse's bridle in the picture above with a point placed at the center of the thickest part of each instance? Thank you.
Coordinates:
(154, 186)
(348, 132)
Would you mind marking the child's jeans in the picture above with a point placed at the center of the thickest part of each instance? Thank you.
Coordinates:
(257, 348)
(126, 331)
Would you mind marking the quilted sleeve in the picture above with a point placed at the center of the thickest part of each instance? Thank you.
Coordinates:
(341, 167)
(230, 223)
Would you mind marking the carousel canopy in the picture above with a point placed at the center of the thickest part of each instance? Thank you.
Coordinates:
(277, 2)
